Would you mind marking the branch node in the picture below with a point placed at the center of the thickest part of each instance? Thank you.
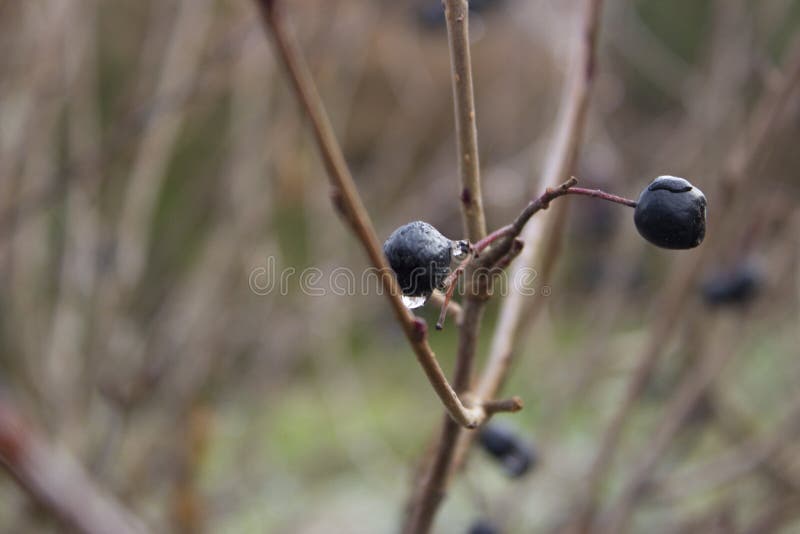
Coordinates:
(466, 196)
(339, 203)
(420, 329)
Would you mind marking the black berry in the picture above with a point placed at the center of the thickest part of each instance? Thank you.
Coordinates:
(420, 257)
(483, 526)
(735, 287)
(671, 213)
(516, 457)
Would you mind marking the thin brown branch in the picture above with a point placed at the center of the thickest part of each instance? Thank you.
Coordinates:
(569, 134)
(457, 17)
(597, 193)
(506, 236)
(57, 483)
(514, 404)
(457, 20)
(453, 308)
(432, 480)
(349, 202)
(541, 245)
(503, 243)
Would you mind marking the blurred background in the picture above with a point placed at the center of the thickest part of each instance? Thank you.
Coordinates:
(152, 161)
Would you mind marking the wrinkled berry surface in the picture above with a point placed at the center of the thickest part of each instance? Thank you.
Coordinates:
(420, 257)
(516, 457)
(671, 213)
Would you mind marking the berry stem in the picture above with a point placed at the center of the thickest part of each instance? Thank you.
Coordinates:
(450, 286)
(541, 245)
(597, 193)
(504, 236)
(481, 245)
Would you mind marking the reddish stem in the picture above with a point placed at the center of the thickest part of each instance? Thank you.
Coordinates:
(450, 283)
(503, 231)
(596, 193)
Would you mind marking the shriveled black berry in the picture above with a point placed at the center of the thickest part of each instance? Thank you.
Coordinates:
(483, 526)
(734, 287)
(420, 257)
(502, 444)
(671, 213)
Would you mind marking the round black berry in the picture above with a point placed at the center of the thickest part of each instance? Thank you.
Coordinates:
(671, 213)
(420, 257)
(735, 287)
(516, 457)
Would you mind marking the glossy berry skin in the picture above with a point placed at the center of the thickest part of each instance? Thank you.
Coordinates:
(671, 213)
(503, 445)
(420, 257)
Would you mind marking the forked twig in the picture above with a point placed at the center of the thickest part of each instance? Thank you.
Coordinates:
(429, 487)
(348, 201)
(569, 133)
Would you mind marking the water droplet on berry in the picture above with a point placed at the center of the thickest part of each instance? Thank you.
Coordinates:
(460, 249)
(412, 302)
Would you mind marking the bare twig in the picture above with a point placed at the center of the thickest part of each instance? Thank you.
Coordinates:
(347, 199)
(56, 482)
(507, 235)
(457, 17)
(453, 308)
(569, 132)
(431, 484)
(539, 243)
(504, 239)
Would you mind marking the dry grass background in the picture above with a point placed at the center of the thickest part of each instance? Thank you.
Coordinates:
(151, 157)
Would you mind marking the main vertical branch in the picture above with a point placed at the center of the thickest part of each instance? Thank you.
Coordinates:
(541, 244)
(431, 484)
(457, 17)
(348, 201)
